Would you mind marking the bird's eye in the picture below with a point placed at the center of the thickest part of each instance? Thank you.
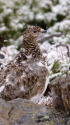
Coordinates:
(34, 31)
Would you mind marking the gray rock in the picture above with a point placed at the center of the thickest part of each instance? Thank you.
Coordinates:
(24, 112)
(59, 89)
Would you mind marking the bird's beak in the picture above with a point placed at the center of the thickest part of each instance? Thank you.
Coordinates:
(43, 31)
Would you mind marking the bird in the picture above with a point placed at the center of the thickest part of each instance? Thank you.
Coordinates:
(25, 76)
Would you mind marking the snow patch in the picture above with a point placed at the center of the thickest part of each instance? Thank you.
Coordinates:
(46, 84)
(8, 81)
(22, 89)
(2, 88)
(40, 64)
(30, 68)
(36, 98)
(30, 56)
(23, 75)
(48, 101)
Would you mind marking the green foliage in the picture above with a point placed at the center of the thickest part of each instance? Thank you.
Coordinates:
(56, 67)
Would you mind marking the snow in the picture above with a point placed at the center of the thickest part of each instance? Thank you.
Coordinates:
(56, 9)
(30, 68)
(22, 89)
(48, 101)
(2, 88)
(50, 16)
(23, 75)
(18, 41)
(40, 64)
(16, 25)
(3, 28)
(45, 47)
(55, 75)
(36, 98)
(39, 16)
(46, 84)
(30, 56)
(9, 53)
(62, 25)
(45, 3)
(56, 52)
(8, 81)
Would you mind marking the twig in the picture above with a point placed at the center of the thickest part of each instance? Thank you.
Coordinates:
(41, 40)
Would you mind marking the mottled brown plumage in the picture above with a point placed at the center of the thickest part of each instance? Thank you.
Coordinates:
(29, 41)
(25, 76)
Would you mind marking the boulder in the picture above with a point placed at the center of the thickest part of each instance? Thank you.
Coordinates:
(24, 112)
(59, 89)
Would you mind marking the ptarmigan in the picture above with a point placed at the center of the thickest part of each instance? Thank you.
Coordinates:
(25, 76)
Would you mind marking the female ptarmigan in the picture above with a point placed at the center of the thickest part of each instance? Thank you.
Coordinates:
(25, 76)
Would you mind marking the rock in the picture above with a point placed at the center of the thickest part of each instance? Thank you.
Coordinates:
(1, 56)
(59, 89)
(24, 112)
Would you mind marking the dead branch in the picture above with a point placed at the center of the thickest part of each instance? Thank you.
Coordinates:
(41, 40)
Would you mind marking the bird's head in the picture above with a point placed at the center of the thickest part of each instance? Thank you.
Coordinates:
(30, 41)
(34, 31)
